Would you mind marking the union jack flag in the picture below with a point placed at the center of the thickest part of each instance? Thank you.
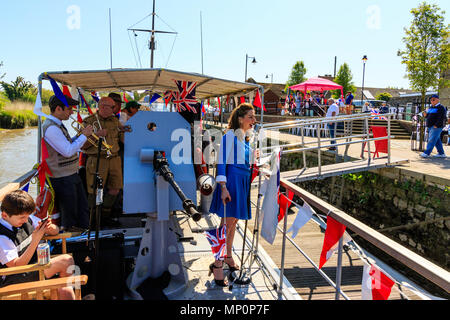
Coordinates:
(375, 112)
(168, 96)
(185, 97)
(217, 240)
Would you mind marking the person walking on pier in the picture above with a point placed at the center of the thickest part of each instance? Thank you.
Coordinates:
(233, 182)
(436, 119)
(333, 110)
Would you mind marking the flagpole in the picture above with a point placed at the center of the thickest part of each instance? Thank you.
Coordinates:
(283, 250)
(201, 39)
(339, 268)
(110, 38)
(152, 37)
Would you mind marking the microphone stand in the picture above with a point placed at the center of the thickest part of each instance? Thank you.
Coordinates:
(98, 189)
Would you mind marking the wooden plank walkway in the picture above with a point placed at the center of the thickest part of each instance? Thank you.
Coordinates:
(306, 280)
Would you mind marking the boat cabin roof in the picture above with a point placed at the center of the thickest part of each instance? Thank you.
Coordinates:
(154, 80)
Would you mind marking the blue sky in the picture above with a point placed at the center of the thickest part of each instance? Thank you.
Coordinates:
(50, 35)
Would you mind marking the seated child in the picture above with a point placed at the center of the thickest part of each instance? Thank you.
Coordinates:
(20, 234)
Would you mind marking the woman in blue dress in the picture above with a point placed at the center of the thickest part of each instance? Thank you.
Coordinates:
(233, 178)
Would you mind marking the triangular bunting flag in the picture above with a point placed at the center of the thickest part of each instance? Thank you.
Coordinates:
(375, 284)
(333, 233)
(257, 101)
(304, 214)
(25, 187)
(38, 106)
(154, 98)
(284, 203)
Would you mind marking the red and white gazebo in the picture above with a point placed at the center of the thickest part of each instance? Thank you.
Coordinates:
(317, 84)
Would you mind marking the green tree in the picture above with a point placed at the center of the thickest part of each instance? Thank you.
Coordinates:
(386, 96)
(297, 74)
(20, 89)
(344, 77)
(427, 51)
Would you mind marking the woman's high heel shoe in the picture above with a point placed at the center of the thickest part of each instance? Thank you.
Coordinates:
(233, 267)
(220, 283)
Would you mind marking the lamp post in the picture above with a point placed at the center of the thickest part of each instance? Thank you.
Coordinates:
(364, 59)
(246, 59)
(271, 77)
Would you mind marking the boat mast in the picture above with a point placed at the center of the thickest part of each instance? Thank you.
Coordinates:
(152, 37)
(152, 45)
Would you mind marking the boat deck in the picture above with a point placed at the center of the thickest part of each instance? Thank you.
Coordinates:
(197, 256)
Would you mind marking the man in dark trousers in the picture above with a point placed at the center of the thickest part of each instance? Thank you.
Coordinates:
(436, 118)
(63, 163)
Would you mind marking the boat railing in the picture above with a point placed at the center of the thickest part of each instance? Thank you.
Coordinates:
(18, 183)
(425, 268)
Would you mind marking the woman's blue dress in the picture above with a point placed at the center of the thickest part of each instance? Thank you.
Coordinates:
(238, 180)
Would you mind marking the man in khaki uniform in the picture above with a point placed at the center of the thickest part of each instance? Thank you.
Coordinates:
(110, 169)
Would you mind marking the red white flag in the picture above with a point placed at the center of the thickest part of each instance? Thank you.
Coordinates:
(43, 169)
(375, 284)
(284, 203)
(124, 97)
(66, 91)
(333, 233)
(257, 101)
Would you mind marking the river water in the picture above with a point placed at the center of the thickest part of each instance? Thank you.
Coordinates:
(18, 153)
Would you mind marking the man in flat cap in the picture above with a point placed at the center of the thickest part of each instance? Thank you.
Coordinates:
(436, 119)
(62, 160)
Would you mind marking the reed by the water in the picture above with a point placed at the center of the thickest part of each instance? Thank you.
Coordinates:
(18, 115)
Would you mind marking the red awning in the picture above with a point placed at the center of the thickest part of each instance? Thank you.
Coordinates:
(317, 84)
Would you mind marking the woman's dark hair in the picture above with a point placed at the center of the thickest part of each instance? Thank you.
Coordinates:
(239, 112)
(18, 202)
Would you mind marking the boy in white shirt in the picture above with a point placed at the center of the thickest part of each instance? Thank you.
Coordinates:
(20, 234)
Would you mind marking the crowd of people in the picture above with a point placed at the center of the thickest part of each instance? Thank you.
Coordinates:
(315, 104)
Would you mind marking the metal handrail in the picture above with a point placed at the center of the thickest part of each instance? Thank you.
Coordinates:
(427, 269)
(301, 123)
(18, 183)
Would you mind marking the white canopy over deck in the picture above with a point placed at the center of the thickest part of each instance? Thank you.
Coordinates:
(154, 80)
